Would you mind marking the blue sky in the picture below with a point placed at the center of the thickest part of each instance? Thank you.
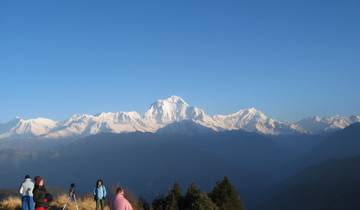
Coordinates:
(291, 59)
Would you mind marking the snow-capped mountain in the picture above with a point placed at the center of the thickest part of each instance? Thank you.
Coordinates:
(166, 112)
(85, 124)
(253, 120)
(175, 109)
(318, 124)
(29, 128)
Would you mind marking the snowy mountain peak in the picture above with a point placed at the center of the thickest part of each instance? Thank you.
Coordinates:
(163, 112)
(167, 110)
(30, 127)
(318, 124)
(252, 110)
(253, 120)
(175, 100)
(354, 118)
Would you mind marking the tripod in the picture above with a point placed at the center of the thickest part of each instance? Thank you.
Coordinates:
(71, 198)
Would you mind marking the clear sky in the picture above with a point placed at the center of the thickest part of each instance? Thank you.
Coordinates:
(290, 59)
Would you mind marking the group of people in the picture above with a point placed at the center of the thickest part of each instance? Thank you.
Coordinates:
(36, 196)
(34, 193)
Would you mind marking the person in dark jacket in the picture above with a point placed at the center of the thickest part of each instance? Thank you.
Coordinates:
(41, 196)
(100, 194)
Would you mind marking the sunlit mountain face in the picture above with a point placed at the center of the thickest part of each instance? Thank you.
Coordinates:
(164, 112)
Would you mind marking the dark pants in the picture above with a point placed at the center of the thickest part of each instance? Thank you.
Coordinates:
(27, 203)
(100, 203)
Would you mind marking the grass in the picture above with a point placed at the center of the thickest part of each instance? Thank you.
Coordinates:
(85, 203)
(10, 203)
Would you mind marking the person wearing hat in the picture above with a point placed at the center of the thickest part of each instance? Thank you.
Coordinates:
(26, 191)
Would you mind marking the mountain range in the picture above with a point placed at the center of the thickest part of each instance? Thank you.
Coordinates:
(163, 113)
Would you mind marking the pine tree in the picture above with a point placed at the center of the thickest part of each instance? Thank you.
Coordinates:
(225, 196)
(174, 198)
(197, 200)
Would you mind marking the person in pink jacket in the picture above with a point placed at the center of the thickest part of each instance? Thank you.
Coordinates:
(120, 202)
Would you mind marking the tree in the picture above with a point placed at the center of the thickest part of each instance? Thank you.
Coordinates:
(225, 196)
(197, 200)
(174, 198)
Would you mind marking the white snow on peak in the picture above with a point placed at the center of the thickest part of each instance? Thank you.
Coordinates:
(253, 120)
(162, 113)
(115, 122)
(30, 127)
(318, 124)
(354, 119)
(167, 111)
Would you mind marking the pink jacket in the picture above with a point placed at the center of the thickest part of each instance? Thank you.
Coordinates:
(120, 203)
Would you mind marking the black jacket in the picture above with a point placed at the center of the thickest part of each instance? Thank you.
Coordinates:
(41, 197)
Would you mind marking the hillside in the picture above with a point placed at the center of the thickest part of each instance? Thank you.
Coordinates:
(340, 144)
(331, 185)
(149, 163)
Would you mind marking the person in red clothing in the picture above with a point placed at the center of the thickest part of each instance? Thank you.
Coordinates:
(120, 202)
(40, 195)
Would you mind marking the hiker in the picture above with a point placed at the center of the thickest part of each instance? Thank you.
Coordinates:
(41, 196)
(26, 191)
(120, 202)
(100, 194)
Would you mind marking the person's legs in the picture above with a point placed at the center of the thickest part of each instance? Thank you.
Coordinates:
(31, 203)
(102, 204)
(23, 203)
(97, 204)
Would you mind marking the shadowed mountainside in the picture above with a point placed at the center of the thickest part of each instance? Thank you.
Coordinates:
(148, 163)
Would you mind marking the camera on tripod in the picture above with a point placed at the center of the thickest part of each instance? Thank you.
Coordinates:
(72, 190)
(72, 197)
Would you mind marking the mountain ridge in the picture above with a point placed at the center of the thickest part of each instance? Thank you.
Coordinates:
(164, 112)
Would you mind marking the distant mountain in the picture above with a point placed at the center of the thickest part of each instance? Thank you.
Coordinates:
(162, 113)
(28, 128)
(84, 125)
(318, 124)
(254, 121)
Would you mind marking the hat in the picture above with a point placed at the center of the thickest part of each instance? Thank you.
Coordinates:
(27, 176)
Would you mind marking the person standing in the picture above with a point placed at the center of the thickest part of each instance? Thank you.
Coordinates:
(26, 191)
(100, 194)
(41, 196)
(120, 202)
